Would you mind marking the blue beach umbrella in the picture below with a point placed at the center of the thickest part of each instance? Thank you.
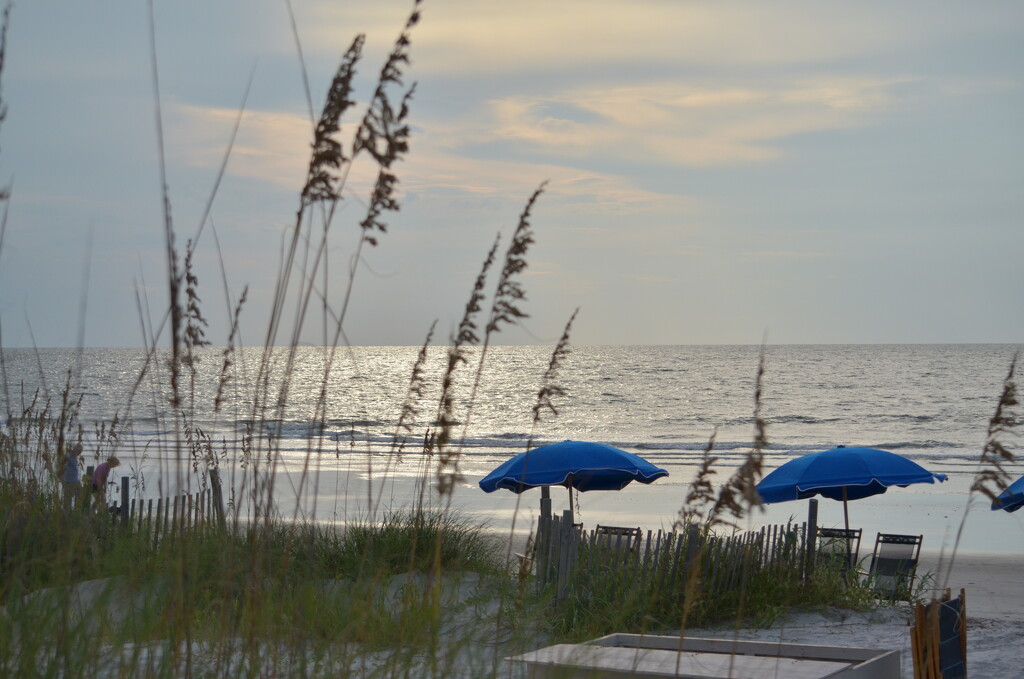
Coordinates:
(843, 474)
(582, 465)
(1012, 498)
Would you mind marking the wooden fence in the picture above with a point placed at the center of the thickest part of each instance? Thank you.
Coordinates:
(568, 557)
(165, 516)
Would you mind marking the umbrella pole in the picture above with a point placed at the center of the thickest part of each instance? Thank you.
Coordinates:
(545, 502)
(846, 510)
(571, 516)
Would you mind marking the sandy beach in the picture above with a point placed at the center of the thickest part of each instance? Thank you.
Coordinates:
(995, 612)
(995, 633)
(994, 594)
(987, 566)
(991, 580)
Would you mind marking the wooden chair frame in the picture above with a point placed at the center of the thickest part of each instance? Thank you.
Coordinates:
(839, 546)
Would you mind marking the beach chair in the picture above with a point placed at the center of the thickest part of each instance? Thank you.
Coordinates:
(614, 544)
(839, 548)
(623, 538)
(894, 565)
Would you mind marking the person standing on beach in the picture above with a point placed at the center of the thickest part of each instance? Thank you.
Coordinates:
(99, 479)
(72, 477)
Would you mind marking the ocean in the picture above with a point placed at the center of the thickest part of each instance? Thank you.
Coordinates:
(931, 403)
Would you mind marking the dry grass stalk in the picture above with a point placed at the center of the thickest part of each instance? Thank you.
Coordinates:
(417, 387)
(447, 463)
(195, 324)
(228, 353)
(406, 421)
(384, 132)
(322, 183)
(739, 494)
(992, 476)
(549, 387)
(509, 291)
(384, 135)
(702, 491)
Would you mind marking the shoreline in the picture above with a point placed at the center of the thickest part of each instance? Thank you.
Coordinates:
(337, 495)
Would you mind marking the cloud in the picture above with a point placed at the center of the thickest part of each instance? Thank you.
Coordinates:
(272, 147)
(572, 188)
(506, 37)
(671, 123)
(479, 37)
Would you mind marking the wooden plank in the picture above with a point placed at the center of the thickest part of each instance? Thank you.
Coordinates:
(812, 538)
(159, 520)
(174, 516)
(555, 661)
(124, 500)
(565, 557)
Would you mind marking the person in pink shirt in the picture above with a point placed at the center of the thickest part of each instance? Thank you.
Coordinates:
(99, 478)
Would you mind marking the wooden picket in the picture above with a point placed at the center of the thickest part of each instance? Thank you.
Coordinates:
(173, 515)
(567, 556)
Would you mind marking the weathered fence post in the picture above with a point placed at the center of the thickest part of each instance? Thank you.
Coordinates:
(174, 517)
(566, 554)
(542, 550)
(124, 500)
(158, 525)
(812, 537)
(692, 552)
(218, 497)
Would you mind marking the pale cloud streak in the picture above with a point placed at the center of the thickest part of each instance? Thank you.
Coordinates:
(271, 148)
(678, 124)
(532, 34)
(469, 37)
(586, 191)
(654, 124)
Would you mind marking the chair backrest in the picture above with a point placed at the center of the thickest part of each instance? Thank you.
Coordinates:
(624, 538)
(839, 547)
(894, 564)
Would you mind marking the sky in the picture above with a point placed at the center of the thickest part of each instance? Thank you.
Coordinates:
(717, 173)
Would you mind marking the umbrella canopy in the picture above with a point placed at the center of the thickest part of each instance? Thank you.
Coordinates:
(1012, 498)
(574, 464)
(843, 474)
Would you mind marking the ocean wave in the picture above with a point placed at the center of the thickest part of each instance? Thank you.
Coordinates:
(800, 419)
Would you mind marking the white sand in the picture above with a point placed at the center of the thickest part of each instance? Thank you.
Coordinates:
(995, 636)
(995, 614)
